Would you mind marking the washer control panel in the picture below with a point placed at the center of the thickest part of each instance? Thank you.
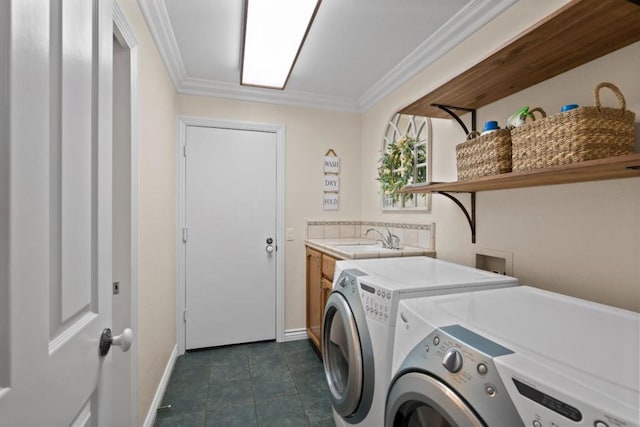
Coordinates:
(452, 360)
(464, 361)
(376, 301)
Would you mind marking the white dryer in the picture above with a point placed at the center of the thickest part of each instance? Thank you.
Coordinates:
(514, 357)
(359, 324)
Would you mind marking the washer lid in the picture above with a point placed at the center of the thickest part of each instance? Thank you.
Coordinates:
(419, 273)
(575, 336)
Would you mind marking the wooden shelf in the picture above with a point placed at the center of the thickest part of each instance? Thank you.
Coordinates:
(579, 32)
(592, 170)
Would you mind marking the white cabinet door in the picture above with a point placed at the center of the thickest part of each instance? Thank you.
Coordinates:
(230, 213)
(55, 212)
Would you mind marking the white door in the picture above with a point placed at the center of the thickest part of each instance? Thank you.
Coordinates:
(230, 207)
(55, 212)
(124, 401)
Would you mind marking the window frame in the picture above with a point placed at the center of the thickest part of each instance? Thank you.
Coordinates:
(411, 126)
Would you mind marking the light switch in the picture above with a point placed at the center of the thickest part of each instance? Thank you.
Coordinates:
(291, 235)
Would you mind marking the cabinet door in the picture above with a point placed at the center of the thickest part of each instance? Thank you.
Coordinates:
(328, 267)
(314, 297)
(327, 286)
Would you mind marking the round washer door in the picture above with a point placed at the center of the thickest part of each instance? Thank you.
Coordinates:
(342, 355)
(419, 400)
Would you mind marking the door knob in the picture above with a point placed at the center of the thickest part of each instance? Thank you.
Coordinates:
(269, 249)
(123, 341)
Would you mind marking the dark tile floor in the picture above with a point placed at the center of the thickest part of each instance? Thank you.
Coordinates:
(260, 384)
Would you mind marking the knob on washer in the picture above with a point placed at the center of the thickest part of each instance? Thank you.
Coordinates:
(452, 360)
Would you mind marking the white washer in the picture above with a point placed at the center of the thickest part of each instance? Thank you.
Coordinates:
(359, 324)
(514, 357)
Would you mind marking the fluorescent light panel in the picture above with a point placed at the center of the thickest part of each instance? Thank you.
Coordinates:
(274, 32)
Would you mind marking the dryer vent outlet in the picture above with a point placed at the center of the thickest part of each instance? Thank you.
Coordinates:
(491, 263)
(500, 262)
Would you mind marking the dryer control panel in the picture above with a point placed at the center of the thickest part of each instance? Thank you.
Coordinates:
(377, 301)
(464, 361)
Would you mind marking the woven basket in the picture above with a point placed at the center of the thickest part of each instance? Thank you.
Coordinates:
(586, 133)
(484, 155)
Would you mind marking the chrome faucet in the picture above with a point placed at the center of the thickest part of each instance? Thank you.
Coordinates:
(390, 241)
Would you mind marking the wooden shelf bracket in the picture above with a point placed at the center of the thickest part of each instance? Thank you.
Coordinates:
(449, 110)
(471, 218)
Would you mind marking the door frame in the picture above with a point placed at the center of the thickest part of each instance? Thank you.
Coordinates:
(279, 131)
(125, 35)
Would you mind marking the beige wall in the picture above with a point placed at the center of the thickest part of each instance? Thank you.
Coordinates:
(157, 256)
(577, 239)
(309, 134)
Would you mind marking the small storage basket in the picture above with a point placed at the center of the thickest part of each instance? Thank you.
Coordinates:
(484, 155)
(586, 133)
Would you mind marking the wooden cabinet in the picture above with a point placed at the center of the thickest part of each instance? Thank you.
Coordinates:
(328, 268)
(320, 269)
(314, 302)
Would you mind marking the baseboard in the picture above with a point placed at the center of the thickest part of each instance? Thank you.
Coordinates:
(162, 387)
(295, 334)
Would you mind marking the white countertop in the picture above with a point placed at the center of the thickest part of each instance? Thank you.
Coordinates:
(360, 248)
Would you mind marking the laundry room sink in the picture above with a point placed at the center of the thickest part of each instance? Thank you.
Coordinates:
(360, 248)
(364, 248)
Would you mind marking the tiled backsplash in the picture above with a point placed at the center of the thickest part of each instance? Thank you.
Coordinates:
(417, 235)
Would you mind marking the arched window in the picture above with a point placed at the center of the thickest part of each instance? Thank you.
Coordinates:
(405, 159)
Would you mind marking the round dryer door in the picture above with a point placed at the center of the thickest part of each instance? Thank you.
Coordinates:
(347, 352)
(342, 355)
(418, 400)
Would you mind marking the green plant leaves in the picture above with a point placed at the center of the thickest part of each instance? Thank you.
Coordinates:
(398, 166)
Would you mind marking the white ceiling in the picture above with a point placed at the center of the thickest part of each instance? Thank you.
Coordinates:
(356, 52)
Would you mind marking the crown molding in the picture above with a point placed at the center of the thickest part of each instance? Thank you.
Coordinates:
(157, 18)
(463, 24)
(124, 29)
(203, 87)
(467, 21)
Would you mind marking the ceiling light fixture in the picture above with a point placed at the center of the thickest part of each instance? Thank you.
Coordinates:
(274, 31)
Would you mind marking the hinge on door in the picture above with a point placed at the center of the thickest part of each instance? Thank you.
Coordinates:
(184, 316)
(184, 150)
(185, 234)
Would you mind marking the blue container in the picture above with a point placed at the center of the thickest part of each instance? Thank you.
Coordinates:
(490, 126)
(568, 107)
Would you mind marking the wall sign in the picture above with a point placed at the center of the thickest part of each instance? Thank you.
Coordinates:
(331, 163)
(331, 181)
(331, 202)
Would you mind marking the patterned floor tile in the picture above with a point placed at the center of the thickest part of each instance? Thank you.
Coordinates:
(194, 419)
(327, 422)
(184, 400)
(272, 364)
(316, 407)
(232, 416)
(258, 384)
(268, 387)
(229, 393)
(229, 369)
(281, 412)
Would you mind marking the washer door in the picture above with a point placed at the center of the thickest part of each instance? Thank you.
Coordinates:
(342, 354)
(418, 400)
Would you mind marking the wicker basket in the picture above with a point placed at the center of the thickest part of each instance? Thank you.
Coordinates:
(586, 133)
(484, 155)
